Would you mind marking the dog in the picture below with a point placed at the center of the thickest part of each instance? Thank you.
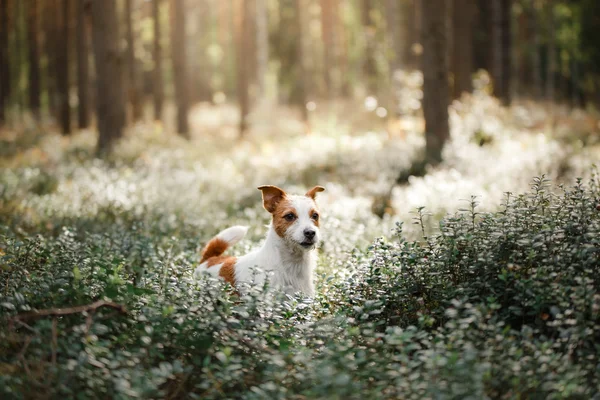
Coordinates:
(288, 253)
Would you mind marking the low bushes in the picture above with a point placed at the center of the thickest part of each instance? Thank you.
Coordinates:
(495, 305)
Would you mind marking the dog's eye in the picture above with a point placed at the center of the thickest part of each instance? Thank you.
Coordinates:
(289, 217)
(315, 216)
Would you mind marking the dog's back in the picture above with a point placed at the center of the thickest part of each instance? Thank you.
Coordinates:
(213, 261)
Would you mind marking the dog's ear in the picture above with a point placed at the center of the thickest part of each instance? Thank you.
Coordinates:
(312, 193)
(271, 195)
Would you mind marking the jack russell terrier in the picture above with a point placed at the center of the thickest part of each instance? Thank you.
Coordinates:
(288, 253)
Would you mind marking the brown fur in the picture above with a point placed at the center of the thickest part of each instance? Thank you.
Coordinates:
(272, 196)
(280, 224)
(227, 270)
(312, 193)
(214, 248)
(312, 211)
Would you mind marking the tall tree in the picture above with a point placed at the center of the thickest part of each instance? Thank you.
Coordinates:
(462, 56)
(178, 56)
(83, 112)
(50, 49)
(301, 78)
(132, 83)
(62, 73)
(243, 45)
(109, 73)
(369, 65)
(262, 44)
(327, 28)
(436, 93)
(157, 79)
(501, 53)
(4, 71)
(535, 54)
(34, 58)
(397, 22)
(551, 64)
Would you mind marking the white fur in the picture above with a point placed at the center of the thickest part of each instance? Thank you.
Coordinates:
(233, 235)
(289, 265)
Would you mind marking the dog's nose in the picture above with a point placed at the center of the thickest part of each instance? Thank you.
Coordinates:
(309, 233)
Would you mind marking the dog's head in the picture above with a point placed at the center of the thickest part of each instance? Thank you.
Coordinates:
(295, 218)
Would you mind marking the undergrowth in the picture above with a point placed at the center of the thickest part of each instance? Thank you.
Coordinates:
(501, 304)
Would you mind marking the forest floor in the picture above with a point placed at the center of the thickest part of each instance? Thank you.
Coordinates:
(210, 182)
(467, 312)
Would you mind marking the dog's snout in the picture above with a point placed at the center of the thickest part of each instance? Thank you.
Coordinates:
(309, 233)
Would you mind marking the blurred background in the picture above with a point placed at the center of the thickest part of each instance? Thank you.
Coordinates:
(395, 104)
(73, 62)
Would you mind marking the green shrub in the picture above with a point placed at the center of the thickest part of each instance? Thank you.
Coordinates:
(496, 305)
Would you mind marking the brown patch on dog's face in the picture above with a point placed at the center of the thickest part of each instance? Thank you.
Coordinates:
(284, 216)
(315, 216)
(272, 196)
(227, 270)
(214, 248)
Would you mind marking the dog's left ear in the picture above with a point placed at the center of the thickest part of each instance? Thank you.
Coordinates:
(312, 193)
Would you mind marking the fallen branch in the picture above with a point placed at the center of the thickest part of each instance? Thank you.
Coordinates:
(68, 310)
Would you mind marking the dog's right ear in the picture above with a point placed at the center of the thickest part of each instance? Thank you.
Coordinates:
(271, 195)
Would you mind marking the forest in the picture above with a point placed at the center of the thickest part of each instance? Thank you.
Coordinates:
(458, 143)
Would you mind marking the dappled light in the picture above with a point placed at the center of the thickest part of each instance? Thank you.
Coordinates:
(451, 239)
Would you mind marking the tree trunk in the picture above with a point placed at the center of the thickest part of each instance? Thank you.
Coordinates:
(4, 60)
(62, 73)
(243, 53)
(178, 56)
(50, 26)
(157, 79)
(109, 73)
(370, 65)
(536, 56)
(262, 44)
(301, 79)
(397, 20)
(501, 43)
(133, 85)
(482, 51)
(463, 46)
(83, 113)
(34, 59)
(327, 27)
(435, 78)
(551, 64)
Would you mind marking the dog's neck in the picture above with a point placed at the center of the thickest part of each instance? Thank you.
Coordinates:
(292, 266)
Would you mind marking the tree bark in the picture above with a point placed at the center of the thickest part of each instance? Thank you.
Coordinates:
(463, 46)
(50, 48)
(369, 65)
(536, 56)
(327, 27)
(262, 44)
(501, 43)
(178, 56)
(83, 111)
(4, 60)
(34, 59)
(62, 73)
(109, 73)
(243, 53)
(133, 85)
(301, 79)
(435, 79)
(551, 64)
(157, 79)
